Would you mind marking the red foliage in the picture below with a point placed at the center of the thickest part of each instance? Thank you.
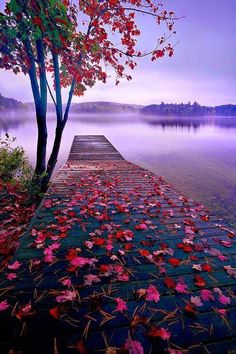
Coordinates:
(86, 48)
(15, 214)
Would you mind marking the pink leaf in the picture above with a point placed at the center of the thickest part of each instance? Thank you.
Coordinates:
(67, 282)
(90, 278)
(152, 294)
(160, 332)
(66, 295)
(88, 244)
(141, 227)
(79, 261)
(11, 276)
(14, 266)
(123, 277)
(3, 305)
(197, 267)
(222, 312)
(25, 309)
(121, 305)
(48, 203)
(196, 300)
(230, 270)
(134, 347)
(181, 287)
(224, 300)
(207, 295)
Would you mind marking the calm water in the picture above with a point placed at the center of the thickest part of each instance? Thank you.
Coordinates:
(197, 155)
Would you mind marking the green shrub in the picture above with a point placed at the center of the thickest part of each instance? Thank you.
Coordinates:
(14, 165)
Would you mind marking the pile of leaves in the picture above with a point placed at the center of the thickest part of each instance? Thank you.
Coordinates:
(16, 212)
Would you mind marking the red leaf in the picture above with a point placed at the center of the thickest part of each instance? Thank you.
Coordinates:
(99, 241)
(128, 246)
(141, 227)
(174, 262)
(55, 312)
(206, 268)
(144, 253)
(81, 347)
(199, 281)
(71, 254)
(48, 203)
(169, 283)
(204, 217)
(190, 309)
(159, 332)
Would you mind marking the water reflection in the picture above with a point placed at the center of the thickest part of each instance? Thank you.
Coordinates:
(9, 120)
(192, 123)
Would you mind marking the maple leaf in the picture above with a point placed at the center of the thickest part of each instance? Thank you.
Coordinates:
(67, 282)
(170, 283)
(197, 267)
(25, 311)
(141, 227)
(133, 347)
(14, 266)
(206, 267)
(99, 241)
(190, 309)
(160, 332)
(48, 203)
(152, 294)
(181, 287)
(123, 277)
(144, 253)
(11, 276)
(88, 244)
(128, 246)
(224, 300)
(90, 278)
(199, 281)
(66, 295)
(136, 320)
(174, 262)
(221, 312)
(4, 305)
(55, 312)
(141, 292)
(230, 270)
(121, 305)
(196, 300)
(206, 295)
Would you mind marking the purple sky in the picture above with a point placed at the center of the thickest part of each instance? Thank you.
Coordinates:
(202, 69)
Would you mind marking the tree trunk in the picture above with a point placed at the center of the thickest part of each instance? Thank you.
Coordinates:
(41, 145)
(53, 157)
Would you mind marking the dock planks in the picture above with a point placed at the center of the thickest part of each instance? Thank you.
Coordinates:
(118, 261)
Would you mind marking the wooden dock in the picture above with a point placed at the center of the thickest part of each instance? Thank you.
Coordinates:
(117, 261)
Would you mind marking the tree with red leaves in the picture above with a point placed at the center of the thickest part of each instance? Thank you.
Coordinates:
(74, 43)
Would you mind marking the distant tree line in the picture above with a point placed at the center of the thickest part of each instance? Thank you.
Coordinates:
(163, 109)
(182, 109)
(9, 103)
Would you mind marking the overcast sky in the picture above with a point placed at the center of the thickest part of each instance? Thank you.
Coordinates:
(203, 68)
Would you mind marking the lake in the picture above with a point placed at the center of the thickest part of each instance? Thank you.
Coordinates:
(197, 155)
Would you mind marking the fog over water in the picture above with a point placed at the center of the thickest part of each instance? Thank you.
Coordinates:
(197, 155)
